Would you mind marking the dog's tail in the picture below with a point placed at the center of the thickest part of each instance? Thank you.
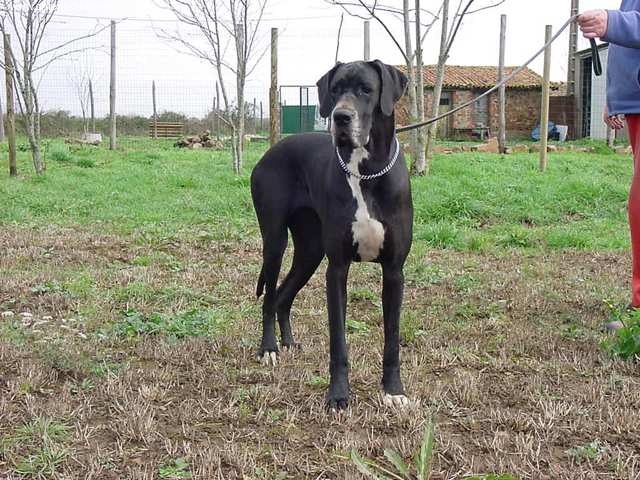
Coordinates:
(260, 286)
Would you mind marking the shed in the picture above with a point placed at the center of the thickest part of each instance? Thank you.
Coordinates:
(463, 83)
(591, 95)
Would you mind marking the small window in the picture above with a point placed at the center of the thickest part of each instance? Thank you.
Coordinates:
(445, 101)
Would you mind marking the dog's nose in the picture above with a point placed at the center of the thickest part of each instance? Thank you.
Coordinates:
(342, 116)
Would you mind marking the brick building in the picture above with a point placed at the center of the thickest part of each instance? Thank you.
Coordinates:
(463, 83)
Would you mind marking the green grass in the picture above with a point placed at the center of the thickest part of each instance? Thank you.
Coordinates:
(470, 202)
(36, 449)
(179, 468)
(625, 342)
(192, 323)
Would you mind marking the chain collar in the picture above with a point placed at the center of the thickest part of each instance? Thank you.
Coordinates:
(371, 176)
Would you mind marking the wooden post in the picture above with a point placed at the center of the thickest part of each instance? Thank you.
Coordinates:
(11, 112)
(544, 108)
(155, 110)
(93, 107)
(112, 90)
(274, 115)
(254, 115)
(261, 118)
(573, 48)
(367, 41)
(502, 91)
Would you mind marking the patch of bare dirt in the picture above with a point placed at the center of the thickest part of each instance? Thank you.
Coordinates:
(505, 357)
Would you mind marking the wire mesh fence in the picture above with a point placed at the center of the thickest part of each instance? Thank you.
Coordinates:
(147, 64)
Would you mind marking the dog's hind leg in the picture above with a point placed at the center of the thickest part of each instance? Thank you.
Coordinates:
(307, 255)
(274, 244)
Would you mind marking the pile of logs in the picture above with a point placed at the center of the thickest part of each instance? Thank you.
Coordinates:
(203, 140)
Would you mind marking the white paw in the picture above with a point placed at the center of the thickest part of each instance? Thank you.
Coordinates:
(397, 401)
(269, 358)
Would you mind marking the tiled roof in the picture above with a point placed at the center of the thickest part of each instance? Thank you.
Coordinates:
(468, 77)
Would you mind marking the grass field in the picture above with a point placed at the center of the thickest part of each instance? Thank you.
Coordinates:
(137, 270)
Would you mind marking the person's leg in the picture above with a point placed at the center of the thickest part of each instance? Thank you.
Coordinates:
(633, 121)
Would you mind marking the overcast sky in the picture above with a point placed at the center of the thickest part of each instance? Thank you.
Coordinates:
(307, 47)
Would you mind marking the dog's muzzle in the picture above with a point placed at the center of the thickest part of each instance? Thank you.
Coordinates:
(345, 127)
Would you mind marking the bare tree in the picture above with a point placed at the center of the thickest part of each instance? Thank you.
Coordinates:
(27, 21)
(374, 9)
(80, 77)
(220, 22)
(448, 36)
(411, 77)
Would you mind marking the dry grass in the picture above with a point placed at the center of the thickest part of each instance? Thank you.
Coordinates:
(502, 350)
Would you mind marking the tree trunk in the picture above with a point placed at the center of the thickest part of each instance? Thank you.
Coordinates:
(240, 79)
(419, 166)
(237, 167)
(437, 90)
(411, 84)
(34, 144)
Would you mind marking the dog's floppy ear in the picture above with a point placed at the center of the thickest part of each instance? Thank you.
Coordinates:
(392, 85)
(326, 102)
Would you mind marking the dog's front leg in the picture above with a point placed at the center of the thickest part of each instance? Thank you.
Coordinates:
(338, 393)
(392, 289)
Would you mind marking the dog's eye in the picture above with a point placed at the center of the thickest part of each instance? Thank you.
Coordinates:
(365, 90)
(335, 90)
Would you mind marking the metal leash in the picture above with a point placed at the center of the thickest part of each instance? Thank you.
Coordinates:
(597, 67)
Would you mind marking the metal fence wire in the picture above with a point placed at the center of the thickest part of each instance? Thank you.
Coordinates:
(185, 86)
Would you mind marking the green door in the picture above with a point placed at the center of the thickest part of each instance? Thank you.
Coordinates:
(297, 118)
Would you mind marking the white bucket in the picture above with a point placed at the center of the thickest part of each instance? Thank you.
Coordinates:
(562, 130)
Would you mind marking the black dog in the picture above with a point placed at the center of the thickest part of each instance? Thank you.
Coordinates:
(302, 184)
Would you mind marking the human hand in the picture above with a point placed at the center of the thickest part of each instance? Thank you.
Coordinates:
(615, 122)
(593, 23)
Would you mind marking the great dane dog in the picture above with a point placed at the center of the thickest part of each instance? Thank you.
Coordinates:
(345, 195)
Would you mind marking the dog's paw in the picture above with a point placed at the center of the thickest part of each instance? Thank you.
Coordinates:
(335, 405)
(291, 347)
(268, 358)
(396, 401)
(337, 398)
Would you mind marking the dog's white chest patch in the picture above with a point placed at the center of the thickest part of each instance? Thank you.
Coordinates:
(368, 232)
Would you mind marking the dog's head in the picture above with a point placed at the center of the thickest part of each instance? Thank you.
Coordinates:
(352, 93)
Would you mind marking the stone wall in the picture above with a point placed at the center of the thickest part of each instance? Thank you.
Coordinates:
(523, 111)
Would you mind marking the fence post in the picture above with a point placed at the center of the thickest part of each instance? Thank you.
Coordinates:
(155, 111)
(261, 118)
(367, 41)
(93, 108)
(502, 92)
(254, 114)
(11, 118)
(544, 109)
(274, 116)
(112, 90)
